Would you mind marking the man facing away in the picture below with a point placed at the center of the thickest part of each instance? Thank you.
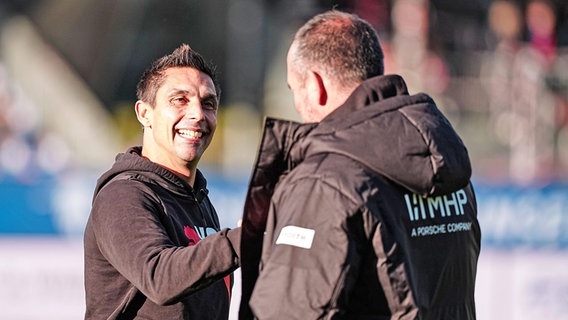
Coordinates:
(366, 211)
(153, 244)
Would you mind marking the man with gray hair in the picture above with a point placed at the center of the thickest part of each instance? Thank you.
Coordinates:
(366, 211)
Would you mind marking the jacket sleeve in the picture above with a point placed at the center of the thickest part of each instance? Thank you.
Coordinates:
(310, 254)
(131, 237)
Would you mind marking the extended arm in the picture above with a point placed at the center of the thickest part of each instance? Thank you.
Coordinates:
(131, 236)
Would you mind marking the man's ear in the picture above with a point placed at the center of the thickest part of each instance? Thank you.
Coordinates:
(316, 88)
(144, 113)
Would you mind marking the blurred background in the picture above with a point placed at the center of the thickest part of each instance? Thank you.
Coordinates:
(68, 72)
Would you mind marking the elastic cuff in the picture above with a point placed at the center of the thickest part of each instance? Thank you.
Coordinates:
(234, 236)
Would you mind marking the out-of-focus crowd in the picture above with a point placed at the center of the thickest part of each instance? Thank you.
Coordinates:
(526, 83)
(509, 100)
(28, 148)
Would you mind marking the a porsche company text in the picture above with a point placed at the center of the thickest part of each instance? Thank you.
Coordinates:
(445, 206)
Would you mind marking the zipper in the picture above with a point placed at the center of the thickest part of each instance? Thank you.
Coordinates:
(203, 220)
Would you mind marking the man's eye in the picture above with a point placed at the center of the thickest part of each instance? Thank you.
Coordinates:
(178, 101)
(210, 105)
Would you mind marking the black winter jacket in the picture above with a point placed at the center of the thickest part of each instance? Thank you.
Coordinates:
(153, 249)
(367, 215)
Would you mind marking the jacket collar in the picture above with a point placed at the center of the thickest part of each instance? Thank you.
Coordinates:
(368, 92)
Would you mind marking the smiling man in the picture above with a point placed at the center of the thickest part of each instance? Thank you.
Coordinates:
(154, 248)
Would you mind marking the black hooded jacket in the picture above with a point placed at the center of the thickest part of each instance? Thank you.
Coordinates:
(368, 214)
(153, 246)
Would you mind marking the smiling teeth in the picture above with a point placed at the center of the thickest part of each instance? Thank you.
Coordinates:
(190, 133)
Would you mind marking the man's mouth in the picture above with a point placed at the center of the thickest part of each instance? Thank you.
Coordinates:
(190, 134)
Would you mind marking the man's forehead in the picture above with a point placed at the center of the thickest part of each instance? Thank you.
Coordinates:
(187, 79)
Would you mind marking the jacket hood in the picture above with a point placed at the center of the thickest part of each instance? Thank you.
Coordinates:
(400, 136)
(132, 162)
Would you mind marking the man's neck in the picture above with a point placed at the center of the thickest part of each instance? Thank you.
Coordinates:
(189, 178)
(188, 175)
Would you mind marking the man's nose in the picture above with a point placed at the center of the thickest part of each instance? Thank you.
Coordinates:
(195, 111)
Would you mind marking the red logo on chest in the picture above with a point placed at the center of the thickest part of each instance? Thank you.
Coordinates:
(192, 235)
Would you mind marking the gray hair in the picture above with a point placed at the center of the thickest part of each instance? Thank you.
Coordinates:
(340, 45)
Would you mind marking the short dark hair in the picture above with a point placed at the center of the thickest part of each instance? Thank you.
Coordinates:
(183, 56)
(343, 45)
